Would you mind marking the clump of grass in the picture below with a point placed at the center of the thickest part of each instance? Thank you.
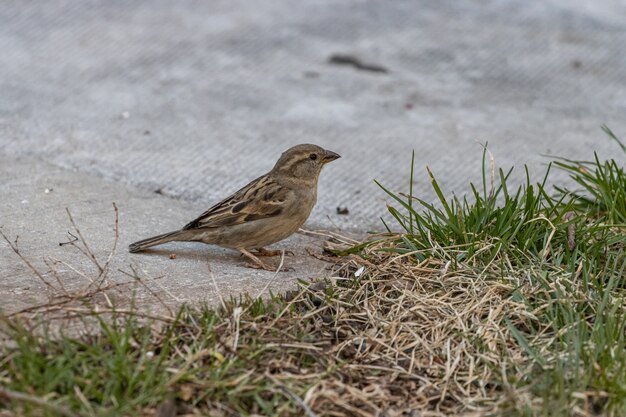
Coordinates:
(521, 223)
(603, 185)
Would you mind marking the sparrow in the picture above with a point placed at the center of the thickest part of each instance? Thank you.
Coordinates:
(267, 210)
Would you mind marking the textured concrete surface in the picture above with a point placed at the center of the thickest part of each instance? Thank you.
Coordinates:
(195, 98)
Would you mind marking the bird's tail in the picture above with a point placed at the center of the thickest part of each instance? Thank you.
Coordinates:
(179, 235)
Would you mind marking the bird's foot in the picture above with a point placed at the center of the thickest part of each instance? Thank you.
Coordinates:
(259, 264)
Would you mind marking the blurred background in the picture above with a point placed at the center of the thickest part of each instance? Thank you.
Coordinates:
(192, 99)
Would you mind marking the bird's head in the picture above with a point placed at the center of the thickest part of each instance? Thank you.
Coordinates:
(303, 161)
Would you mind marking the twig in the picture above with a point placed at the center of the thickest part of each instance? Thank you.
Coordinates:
(58, 305)
(39, 307)
(74, 239)
(54, 272)
(138, 279)
(23, 258)
(90, 254)
(282, 259)
(126, 312)
(76, 271)
(333, 222)
(105, 270)
(329, 234)
(280, 266)
(309, 412)
(83, 399)
(73, 244)
(20, 396)
(219, 293)
(157, 283)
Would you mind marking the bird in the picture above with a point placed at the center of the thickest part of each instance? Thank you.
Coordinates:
(267, 210)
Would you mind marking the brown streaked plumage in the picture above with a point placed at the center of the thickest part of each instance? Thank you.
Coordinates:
(269, 209)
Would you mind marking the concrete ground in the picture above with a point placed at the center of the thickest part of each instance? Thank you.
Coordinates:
(165, 107)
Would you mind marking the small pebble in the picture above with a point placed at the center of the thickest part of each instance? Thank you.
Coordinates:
(172, 256)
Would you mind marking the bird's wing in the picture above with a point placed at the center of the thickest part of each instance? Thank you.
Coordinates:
(262, 198)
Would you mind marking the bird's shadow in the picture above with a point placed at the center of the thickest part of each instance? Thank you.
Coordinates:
(199, 253)
(202, 254)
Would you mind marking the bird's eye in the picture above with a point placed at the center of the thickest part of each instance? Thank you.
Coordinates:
(313, 156)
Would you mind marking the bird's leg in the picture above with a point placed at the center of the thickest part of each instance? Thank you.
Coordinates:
(265, 252)
(258, 264)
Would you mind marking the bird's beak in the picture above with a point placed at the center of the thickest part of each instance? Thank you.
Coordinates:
(330, 156)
